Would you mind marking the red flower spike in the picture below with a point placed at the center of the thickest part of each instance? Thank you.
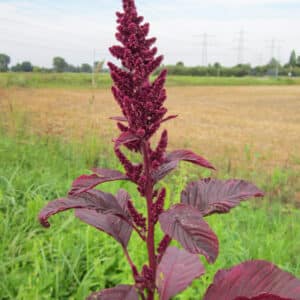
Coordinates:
(158, 206)
(139, 61)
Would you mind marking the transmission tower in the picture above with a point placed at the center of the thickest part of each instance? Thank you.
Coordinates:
(275, 47)
(205, 45)
(241, 47)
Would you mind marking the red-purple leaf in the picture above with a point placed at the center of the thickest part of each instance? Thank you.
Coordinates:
(111, 224)
(169, 118)
(87, 182)
(172, 159)
(189, 156)
(253, 279)
(164, 170)
(125, 138)
(108, 173)
(263, 297)
(123, 197)
(216, 196)
(120, 292)
(119, 119)
(176, 272)
(186, 225)
(93, 199)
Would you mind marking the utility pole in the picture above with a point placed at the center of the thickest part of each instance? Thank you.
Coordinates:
(93, 73)
(278, 59)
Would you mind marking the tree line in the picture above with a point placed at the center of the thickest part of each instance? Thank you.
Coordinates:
(273, 68)
(59, 65)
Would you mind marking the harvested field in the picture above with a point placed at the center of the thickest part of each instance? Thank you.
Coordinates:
(216, 121)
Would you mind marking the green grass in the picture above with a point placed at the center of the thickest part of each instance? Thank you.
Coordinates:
(70, 259)
(73, 80)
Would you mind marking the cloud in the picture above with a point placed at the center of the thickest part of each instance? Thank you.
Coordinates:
(38, 30)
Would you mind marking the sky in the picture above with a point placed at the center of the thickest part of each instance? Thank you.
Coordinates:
(236, 31)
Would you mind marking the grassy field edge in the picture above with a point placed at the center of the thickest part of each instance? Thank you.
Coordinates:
(82, 80)
(70, 260)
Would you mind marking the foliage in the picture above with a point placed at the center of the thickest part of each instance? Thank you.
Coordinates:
(34, 264)
(169, 270)
(4, 62)
(86, 68)
(59, 64)
(293, 59)
(25, 66)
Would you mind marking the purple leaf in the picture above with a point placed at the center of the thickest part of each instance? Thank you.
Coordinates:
(186, 225)
(93, 199)
(172, 160)
(189, 156)
(216, 196)
(119, 119)
(169, 118)
(111, 224)
(164, 170)
(87, 182)
(108, 173)
(125, 138)
(263, 297)
(120, 292)
(176, 272)
(123, 197)
(252, 279)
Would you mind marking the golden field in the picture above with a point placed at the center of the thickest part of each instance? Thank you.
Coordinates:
(226, 122)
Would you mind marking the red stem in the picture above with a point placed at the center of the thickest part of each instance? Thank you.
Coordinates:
(150, 236)
(132, 265)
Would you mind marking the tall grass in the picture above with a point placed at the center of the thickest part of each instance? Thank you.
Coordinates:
(70, 259)
(81, 80)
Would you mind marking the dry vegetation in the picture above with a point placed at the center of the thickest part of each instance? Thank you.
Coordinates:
(217, 121)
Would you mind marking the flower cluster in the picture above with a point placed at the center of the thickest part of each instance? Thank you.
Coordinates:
(140, 100)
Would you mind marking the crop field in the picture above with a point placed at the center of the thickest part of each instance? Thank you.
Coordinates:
(216, 121)
(52, 133)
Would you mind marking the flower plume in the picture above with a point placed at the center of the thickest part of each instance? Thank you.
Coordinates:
(140, 100)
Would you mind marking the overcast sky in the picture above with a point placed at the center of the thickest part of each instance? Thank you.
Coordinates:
(38, 30)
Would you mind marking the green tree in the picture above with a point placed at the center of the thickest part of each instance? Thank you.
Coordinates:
(86, 68)
(59, 64)
(180, 64)
(293, 59)
(274, 63)
(26, 66)
(16, 68)
(4, 62)
(72, 69)
(298, 61)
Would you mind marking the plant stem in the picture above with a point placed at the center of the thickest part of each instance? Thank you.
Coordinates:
(148, 195)
(132, 265)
